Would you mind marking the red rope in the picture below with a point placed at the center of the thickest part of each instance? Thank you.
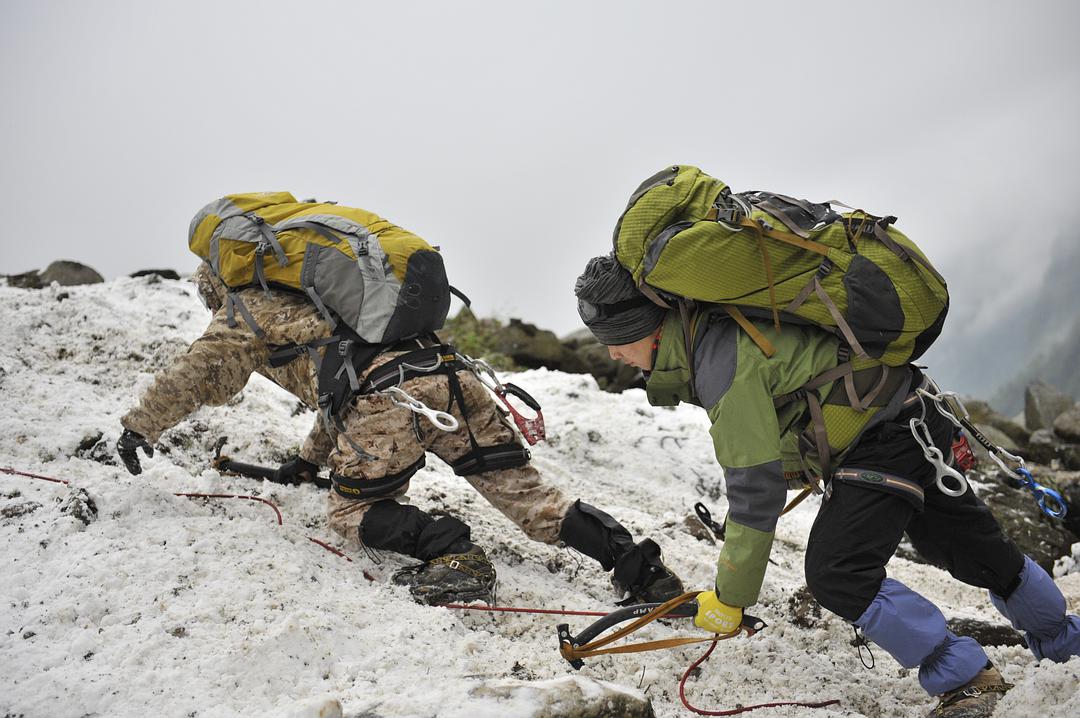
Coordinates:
(271, 504)
(13, 472)
(511, 609)
(735, 711)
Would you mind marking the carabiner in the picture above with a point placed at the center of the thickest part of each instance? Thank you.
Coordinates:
(933, 454)
(442, 420)
(1050, 502)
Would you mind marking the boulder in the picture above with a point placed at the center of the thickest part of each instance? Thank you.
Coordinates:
(982, 413)
(611, 375)
(162, 273)
(996, 436)
(532, 348)
(1039, 536)
(26, 280)
(1043, 404)
(1067, 425)
(69, 274)
(987, 634)
(570, 697)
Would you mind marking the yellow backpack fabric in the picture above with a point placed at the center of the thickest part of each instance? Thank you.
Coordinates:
(383, 282)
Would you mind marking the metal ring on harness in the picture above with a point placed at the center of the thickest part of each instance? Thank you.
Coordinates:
(1050, 502)
(933, 454)
(532, 429)
(440, 419)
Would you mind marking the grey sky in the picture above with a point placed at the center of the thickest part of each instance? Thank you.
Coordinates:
(511, 133)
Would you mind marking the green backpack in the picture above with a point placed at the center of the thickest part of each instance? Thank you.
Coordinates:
(687, 235)
(689, 241)
(364, 273)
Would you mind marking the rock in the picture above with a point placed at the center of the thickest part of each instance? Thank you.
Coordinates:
(26, 280)
(78, 504)
(1043, 404)
(982, 413)
(995, 436)
(1042, 437)
(1066, 483)
(987, 634)
(68, 274)
(1039, 536)
(805, 610)
(570, 697)
(161, 273)
(532, 348)
(693, 526)
(611, 375)
(1067, 426)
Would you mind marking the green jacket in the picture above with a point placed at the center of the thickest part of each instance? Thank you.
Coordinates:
(754, 442)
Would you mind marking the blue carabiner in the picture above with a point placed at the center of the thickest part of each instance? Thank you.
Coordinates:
(1057, 507)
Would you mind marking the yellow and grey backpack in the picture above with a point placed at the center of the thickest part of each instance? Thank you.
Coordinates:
(379, 280)
(374, 283)
(690, 241)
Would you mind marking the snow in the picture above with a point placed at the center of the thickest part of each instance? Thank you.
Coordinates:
(176, 607)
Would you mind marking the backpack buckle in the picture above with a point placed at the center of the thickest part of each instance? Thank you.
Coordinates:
(343, 347)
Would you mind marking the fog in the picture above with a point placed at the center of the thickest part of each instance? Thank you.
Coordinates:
(511, 134)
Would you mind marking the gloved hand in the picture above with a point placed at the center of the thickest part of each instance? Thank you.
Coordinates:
(297, 470)
(126, 447)
(715, 616)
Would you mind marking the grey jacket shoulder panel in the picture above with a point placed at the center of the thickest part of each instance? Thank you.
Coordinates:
(715, 359)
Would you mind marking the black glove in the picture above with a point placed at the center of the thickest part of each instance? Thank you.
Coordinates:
(297, 470)
(126, 447)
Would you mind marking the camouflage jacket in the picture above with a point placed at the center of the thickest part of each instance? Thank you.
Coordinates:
(218, 364)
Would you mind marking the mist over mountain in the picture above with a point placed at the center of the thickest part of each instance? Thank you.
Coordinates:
(1005, 330)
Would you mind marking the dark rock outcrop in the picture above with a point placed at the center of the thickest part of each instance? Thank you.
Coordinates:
(1043, 404)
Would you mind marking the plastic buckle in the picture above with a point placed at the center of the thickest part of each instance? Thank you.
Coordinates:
(454, 564)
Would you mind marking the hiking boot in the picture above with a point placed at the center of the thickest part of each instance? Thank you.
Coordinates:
(452, 578)
(642, 577)
(975, 699)
(660, 585)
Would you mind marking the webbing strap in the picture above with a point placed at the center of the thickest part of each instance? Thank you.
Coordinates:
(233, 302)
(883, 236)
(770, 279)
(596, 648)
(786, 237)
(260, 270)
(841, 323)
(688, 341)
(317, 300)
(821, 436)
(755, 334)
(652, 295)
(271, 238)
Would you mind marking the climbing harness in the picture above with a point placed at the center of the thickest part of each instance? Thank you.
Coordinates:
(950, 406)
(447, 360)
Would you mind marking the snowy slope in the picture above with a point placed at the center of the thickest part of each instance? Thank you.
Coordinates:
(170, 606)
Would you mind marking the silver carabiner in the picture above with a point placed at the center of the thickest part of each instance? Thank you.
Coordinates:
(441, 420)
(933, 454)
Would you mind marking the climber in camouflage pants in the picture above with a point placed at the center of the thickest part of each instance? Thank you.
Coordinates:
(377, 448)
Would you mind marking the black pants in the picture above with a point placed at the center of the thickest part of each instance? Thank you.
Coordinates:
(859, 527)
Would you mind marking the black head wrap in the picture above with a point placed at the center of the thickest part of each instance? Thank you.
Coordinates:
(612, 306)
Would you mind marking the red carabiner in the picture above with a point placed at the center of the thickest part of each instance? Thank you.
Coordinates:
(532, 429)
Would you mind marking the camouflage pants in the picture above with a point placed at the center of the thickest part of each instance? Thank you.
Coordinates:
(391, 440)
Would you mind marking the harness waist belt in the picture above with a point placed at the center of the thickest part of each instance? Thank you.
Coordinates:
(422, 362)
(351, 488)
